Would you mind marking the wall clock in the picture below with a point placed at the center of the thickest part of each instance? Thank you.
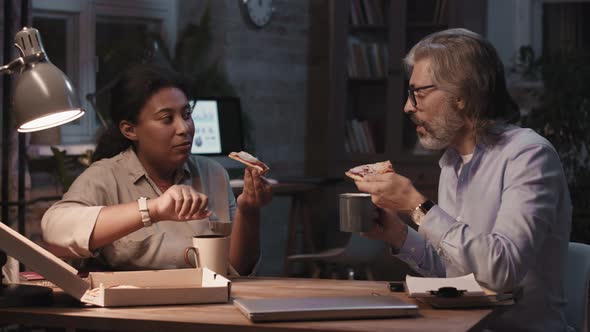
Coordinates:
(258, 12)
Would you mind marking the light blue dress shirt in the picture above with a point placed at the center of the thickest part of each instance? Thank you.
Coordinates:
(505, 217)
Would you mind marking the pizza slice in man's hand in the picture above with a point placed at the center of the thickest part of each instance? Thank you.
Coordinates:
(358, 173)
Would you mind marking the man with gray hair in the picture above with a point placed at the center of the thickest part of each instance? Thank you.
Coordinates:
(504, 210)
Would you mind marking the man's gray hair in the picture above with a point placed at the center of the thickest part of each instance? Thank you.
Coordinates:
(468, 66)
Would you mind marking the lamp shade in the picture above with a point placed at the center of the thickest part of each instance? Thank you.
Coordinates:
(43, 95)
(44, 98)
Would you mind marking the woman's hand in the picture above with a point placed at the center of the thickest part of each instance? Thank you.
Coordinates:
(257, 191)
(180, 203)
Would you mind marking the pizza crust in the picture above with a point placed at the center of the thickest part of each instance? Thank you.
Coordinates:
(249, 160)
(358, 173)
(353, 176)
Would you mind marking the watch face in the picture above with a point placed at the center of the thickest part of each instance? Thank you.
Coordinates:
(259, 11)
(417, 216)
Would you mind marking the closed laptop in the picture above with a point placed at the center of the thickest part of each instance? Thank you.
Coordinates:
(324, 308)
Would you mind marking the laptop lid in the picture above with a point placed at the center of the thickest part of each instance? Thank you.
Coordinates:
(322, 308)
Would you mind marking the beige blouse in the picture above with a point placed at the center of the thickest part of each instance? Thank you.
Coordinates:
(122, 179)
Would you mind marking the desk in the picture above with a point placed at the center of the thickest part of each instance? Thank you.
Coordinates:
(225, 317)
(298, 215)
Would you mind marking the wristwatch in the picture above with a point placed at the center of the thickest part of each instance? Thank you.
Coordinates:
(418, 213)
(143, 210)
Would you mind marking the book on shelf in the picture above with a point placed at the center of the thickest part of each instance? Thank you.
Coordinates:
(350, 137)
(436, 14)
(441, 15)
(366, 60)
(379, 54)
(347, 144)
(371, 60)
(369, 136)
(358, 137)
(367, 12)
(355, 17)
(356, 59)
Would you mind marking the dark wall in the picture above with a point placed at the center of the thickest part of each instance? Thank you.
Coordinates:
(268, 69)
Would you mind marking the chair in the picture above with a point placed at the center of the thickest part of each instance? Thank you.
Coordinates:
(577, 275)
(358, 252)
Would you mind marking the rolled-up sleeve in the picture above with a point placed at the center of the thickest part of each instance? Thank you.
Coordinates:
(69, 222)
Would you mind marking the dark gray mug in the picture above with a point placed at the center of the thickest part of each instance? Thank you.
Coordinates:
(356, 212)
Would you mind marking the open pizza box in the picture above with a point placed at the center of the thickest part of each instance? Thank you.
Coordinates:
(112, 289)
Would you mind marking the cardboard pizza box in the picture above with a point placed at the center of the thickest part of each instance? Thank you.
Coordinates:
(112, 289)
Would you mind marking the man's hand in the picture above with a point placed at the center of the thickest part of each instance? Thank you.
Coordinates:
(257, 191)
(391, 191)
(388, 227)
(180, 203)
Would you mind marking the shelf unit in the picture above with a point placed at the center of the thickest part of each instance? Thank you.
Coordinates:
(358, 84)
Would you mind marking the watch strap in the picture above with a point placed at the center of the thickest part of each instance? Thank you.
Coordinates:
(426, 206)
(420, 211)
(145, 213)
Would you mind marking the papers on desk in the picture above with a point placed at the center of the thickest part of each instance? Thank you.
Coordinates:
(455, 292)
(428, 287)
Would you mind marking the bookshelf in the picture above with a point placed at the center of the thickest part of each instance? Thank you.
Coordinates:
(357, 81)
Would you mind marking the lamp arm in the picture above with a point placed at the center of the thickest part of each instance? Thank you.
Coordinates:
(19, 62)
(12, 65)
(91, 98)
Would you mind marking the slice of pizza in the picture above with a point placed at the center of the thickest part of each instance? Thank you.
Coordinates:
(249, 160)
(358, 173)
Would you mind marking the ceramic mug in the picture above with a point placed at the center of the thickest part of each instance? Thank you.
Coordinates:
(356, 212)
(210, 251)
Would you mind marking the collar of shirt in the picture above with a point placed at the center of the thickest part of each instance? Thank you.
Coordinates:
(452, 158)
(137, 171)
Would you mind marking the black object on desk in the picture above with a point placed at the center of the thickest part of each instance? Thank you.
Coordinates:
(17, 295)
(396, 286)
(448, 292)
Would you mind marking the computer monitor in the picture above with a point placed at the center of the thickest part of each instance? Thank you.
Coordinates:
(218, 126)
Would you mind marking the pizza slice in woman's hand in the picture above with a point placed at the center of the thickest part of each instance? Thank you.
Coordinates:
(358, 173)
(249, 160)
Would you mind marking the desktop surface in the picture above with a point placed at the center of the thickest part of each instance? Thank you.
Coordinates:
(221, 317)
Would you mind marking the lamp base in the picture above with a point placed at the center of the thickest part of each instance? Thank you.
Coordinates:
(17, 295)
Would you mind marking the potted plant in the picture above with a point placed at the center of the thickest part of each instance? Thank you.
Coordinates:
(562, 115)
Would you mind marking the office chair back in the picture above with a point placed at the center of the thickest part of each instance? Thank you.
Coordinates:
(577, 275)
(359, 250)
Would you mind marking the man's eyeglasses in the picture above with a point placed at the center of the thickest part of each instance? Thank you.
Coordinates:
(412, 92)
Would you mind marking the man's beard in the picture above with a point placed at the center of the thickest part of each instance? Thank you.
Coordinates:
(442, 129)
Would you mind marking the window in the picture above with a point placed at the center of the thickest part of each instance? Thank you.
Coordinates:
(565, 31)
(544, 24)
(93, 40)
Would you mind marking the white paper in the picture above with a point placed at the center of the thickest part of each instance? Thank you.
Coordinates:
(418, 286)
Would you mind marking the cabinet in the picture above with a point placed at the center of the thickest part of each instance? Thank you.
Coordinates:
(358, 84)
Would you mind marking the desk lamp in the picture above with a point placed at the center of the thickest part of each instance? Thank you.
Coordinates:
(43, 98)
